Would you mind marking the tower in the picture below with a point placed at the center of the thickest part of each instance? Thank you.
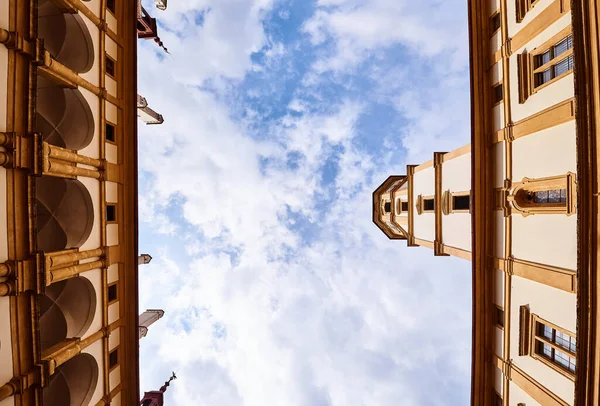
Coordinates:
(156, 397)
(430, 206)
(144, 259)
(147, 318)
(147, 114)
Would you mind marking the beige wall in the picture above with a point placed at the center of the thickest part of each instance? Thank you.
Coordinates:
(113, 312)
(95, 277)
(113, 339)
(93, 187)
(517, 395)
(111, 21)
(93, 149)
(499, 241)
(95, 350)
(553, 305)
(499, 287)
(114, 377)
(6, 371)
(116, 401)
(546, 153)
(499, 164)
(498, 380)
(548, 239)
(498, 117)
(113, 273)
(456, 177)
(93, 75)
(424, 184)
(498, 341)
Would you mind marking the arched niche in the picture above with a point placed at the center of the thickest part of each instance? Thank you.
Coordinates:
(73, 383)
(65, 213)
(66, 37)
(66, 310)
(64, 117)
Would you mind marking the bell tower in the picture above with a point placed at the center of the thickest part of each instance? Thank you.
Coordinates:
(430, 206)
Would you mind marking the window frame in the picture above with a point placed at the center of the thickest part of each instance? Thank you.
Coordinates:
(116, 212)
(107, 58)
(110, 301)
(114, 127)
(448, 202)
(518, 201)
(529, 338)
(495, 100)
(112, 10)
(492, 19)
(523, 7)
(499, 321)
(527, 69)
(117, 363)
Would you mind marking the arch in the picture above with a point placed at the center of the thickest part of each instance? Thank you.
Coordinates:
(63, 117)
(552, 195)
(65, 213)
(73, 383)
(66, 310)
(66, 37)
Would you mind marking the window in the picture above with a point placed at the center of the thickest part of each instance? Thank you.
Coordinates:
(404, 206)
(499, 316)
(546, 64)
(497, 94)
(112, 292)
(523, 6)
(387, 207)
(461, 202)
(110, 4)
(552, 195)
(555, 346)
(110, 132)
(428, 205)
(495, 23)
(113, 358)
(111, 213)
(547, 343)
(456, 202)
(110, 66)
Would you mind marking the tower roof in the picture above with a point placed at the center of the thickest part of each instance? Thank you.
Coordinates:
(388, 187)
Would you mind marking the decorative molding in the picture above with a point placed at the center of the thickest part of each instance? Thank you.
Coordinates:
(559, 278)
(519, 196)
(465, 149)
(544, 19)
(524, 334)
(425, 165)
(456, 252)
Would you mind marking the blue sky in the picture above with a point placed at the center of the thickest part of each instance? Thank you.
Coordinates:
(281, 117)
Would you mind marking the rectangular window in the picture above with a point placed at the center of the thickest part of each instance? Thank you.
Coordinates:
(112, 293)
(110, 66)
(554, 62)
(499, 317)
(461, 202)
(110, 4)
(110, 132)
(404, 206)
(497, 399)
(113, 358)
(550, 196)
(428, 204)
(547, 343)
(111, 213)
(497, 93)
(495, 23)
(387, 207)
(524, 6)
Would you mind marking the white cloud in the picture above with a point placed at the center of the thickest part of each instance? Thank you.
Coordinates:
(259, 315)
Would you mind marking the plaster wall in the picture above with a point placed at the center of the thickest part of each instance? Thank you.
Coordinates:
(553, 305)
(547, 239)
(518, 395)
(93, 75)
(424, 224)
(545, 153)
(93, 187)
(114, 377)
(95, 350)
(95, 277)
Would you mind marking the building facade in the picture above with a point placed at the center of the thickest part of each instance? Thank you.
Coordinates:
(520, 202)
(68, 203)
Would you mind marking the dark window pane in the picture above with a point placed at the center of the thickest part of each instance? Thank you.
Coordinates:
(542, 59)
(496, 23)
(113, 358)
(110, 132)
(111, 213)
(112, 293)
(543, 77)
(404, 206)
(497, 94)
(110, 66)
(110, 4)
(428, 205)
(563, 46)
(563, 66)
(387, 207)
(499, 317)
(462, 202)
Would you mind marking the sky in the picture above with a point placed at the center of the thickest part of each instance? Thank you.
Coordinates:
(281, 118)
